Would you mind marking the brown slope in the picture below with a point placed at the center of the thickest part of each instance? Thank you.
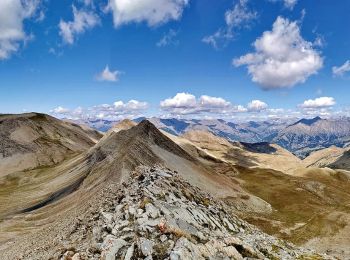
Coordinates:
(262, 155)
(144, 144)
(343, 162)
(310, 207)
(32, 140)
(324, 157)
(125, 124)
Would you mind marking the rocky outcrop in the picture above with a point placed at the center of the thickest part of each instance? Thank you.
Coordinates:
(158, 215)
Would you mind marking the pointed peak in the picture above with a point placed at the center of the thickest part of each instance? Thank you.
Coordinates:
(145, 128)
(123, 125)
(146, 124)
(308, 122)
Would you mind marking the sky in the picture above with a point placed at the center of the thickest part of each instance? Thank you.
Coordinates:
(231, 59)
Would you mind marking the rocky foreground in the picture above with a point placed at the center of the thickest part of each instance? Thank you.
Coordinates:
(157, 215)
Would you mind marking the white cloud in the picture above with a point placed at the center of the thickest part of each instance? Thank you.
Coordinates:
(188, 104)
(282, 58)
(340, 71)
(153, 12)
(168, 39)
(132, 105)
(321, 102)
(239, 109)
(257, 106)
(180, 100)
(88, 2)
(13, 13)
(213, 102)
(290, 3)
(276, 110)
(116, 111)
(240, 15)
(108, 75)
(60, 110)
(82, 21)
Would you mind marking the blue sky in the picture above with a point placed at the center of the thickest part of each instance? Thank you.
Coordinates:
(193, 58)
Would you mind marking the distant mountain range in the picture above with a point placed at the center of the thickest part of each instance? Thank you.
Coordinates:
(301, 137)
(309, 135)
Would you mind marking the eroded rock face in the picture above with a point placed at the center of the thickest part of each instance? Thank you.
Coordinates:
(158, 215)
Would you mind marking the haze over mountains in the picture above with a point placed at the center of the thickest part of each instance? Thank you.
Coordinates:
(140, 191)
(300, 137)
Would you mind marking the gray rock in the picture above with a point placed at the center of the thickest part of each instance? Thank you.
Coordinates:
(141, 221)
(97, 234)
(185, 249)
(132, 211)
(152, 222)
(111, 246)
(130, 252)
(152, 211)
(164, 174)
(146, 246)
(163, 238)
(121, 225)
(188, 228)
(108, 217)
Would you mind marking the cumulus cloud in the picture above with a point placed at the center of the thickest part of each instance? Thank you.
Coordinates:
(321, 102)
(60, 110)
(13, 13)
(237, 17)
(185, 103)
(82, 21)
(213, 102)
(153, 12)
(341, 70)
(257, 106)
(168, 39)
(108, 75)
(116, 111)
(188, 104)
(282, 58)
(180, 100)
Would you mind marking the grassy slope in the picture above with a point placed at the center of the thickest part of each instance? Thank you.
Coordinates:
(23, 189)
(304, 207)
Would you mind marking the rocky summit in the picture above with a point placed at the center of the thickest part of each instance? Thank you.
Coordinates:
(158, 215)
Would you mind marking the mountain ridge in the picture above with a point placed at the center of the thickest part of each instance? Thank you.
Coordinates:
(300, 137)
(39, 140)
